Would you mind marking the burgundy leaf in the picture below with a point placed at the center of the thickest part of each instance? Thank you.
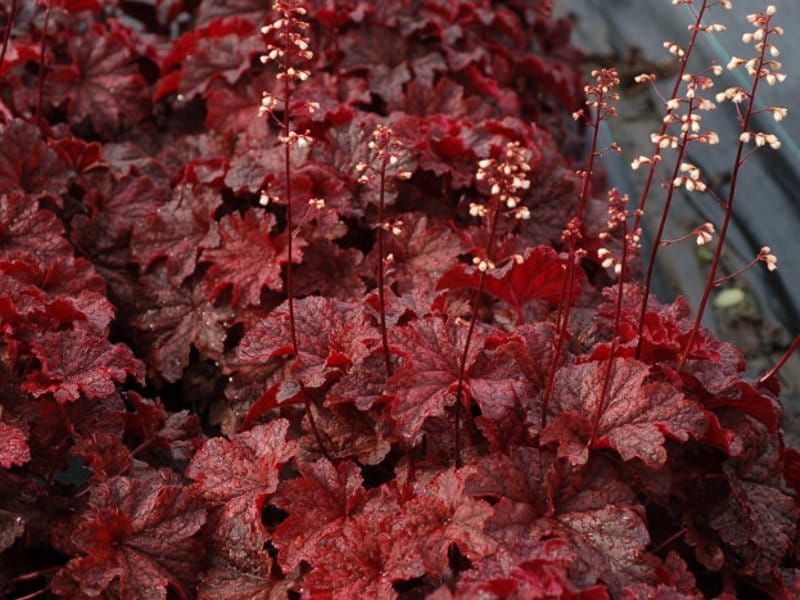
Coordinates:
(137, 537)
(172, 319)
(76, 363)
(222, 49)
(235, 579)
(103, 82)
(177, 230)
(539, 275)
(382, 52)
(636, 416)
(445, 515)
(609, 543)
(527, 569)
(323, 257)
(247, 258)
(80, 157)
(318, 504)
(28, 164)
(29, 233)
(422, 252)
(105, 455)
(753, 525)
(426, 384)
(331, 335)
(247, 465)
(117, 207)
(13, 446)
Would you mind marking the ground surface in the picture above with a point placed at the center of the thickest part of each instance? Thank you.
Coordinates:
(629, 34)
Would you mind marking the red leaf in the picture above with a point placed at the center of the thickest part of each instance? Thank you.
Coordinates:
(525, 475)
(28, 164)
(422, 252)
(753, 523)
(117, 207)
(382, 52)
(426, 384)
(538, 276)
(527, 569)
(105, 455)
(331, 335)
(609, 544)
(172, 319)
(76, 363)
(138, 537)
(103, 82)
(246, 466)
(636, 415)
(443, 514)
(13, 446)
(29, 233)
(247, 579)
(80, 157)
(247, 257)
(318, 503)
(223, 49)
(177, 230)
(322, 257)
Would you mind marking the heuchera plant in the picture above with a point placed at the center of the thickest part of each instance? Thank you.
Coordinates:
(319, 300)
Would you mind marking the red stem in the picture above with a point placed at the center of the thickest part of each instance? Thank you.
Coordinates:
(381, 291)
(40, 92)
(287, 161)
(615, 339)
(676, 86)
(473, 319)
(7, 32)
(289, 222)
(593, 154)
(782, 361)
(660, 233)
(561, 332)
(36, 574)
(728, 208)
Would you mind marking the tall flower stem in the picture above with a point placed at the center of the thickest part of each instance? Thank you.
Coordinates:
(381, 276)
(758, 73)
(619, 218)
(660, 232)
(462, 363)
(389, 153)
(506, 178)
(42, 66)
(570, 236)
(683, 60)
(291, 48)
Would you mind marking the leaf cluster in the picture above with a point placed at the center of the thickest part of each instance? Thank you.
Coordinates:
(154, 435)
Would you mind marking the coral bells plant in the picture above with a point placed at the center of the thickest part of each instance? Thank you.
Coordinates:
(313, 300)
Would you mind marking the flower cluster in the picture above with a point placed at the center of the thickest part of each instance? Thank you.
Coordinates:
(765, 255)
(507, 179)
(762, 66)
(287, 44)
(600, 95)
(691, 181)
(389, 152)
(618, 221)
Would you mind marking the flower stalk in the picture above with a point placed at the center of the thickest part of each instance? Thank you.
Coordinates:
(761, 67)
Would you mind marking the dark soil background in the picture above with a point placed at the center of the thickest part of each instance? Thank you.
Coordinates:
(758, 311)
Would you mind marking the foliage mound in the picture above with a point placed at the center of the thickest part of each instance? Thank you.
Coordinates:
(455, 400)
